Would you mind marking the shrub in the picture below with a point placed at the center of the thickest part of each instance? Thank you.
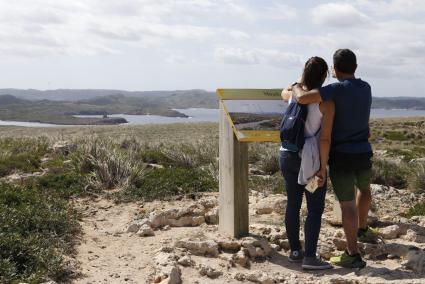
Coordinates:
(396, 135)
(21, 155)
(105, 166)
(271, 184)
(417, 210)
(36, 230)
(169, 182)
(417, 178)
(64, 184)
(389, 173)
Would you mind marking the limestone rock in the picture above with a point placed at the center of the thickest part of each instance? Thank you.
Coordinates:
(145, 231)
(173, 274)
(210, 272)
(241, 259)
(186, 261)
(198, 247)
(279, 204)
(264, 208)
(209, 202)
(391, 232)
(211, 217)
(229, 245)
(181, 217)
(414, 237)
(415, 260)
(167, 269)
(256, 248)
(340, 244)
(136, 225)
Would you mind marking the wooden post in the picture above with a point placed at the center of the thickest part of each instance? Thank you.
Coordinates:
(233, 185)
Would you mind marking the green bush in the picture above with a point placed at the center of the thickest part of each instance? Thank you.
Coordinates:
(271, 184)
(64, 184)
(417, 210)
(36, 230)
(169, 182)
(21, 155)
(395, 135)
(389, 173)
(417, 178)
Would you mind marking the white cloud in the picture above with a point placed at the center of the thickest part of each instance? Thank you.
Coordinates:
(338, 15)
(270, 57)
(236, 56)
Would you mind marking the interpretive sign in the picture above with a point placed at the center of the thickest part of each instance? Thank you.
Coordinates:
(246, 115)
(254, 114)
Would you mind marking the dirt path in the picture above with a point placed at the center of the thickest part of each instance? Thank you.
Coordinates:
(108, 254)
(105, 254)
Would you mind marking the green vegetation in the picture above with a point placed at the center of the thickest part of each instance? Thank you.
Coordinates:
(417, 178)
(36, 231)
(142, 163)
(390, 173)
(21, 155)
(417, 210)
(167, 183)
(395, 135)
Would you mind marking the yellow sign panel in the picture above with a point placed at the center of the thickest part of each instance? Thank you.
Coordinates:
(254, 114)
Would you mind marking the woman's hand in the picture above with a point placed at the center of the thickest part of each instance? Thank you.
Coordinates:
(322, 175)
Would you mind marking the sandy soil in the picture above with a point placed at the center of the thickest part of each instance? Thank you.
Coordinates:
(108, 254)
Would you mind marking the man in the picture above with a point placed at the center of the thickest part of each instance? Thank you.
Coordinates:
(350, 158)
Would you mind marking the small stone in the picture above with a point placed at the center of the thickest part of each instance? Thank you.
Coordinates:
(211, 217)
(391, 232)
(209, 272)
(186, 261)
(241, 259)
(145, 231)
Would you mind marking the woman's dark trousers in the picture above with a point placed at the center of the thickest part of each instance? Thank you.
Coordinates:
(290, 165)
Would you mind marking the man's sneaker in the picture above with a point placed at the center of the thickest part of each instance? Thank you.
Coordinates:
(315, 263)
(368, 235)
(296, 256)
(348, 261)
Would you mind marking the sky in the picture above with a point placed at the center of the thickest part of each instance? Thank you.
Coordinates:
(206, 44)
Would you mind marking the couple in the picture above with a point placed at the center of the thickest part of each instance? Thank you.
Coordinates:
(338, 123)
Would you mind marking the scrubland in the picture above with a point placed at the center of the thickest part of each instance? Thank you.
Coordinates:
(41, 182)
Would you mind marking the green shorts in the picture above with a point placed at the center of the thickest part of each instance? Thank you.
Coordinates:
(344, 182)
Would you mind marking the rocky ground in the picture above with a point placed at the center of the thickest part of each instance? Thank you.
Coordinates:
(178, 242)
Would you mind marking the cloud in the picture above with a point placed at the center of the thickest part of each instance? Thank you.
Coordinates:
(271, 57)
(338, 15)
(236, 56)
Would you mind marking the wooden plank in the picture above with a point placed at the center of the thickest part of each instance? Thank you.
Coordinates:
(249, 94)
(233, 181)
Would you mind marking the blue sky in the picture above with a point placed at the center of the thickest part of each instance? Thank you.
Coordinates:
(166, 45)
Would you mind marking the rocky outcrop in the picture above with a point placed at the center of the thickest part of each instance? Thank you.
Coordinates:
(167, 269)
(198, 247)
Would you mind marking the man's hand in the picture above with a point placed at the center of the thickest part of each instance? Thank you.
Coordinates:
(297, 91)
(306, 97)
(322, 175)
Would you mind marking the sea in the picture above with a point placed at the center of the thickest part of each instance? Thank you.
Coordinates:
(203, 115)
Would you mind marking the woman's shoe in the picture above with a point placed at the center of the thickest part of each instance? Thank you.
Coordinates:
(296, 256)
(315, 263)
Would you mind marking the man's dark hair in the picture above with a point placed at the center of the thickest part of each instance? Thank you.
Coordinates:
(345, 61)
(315, 72)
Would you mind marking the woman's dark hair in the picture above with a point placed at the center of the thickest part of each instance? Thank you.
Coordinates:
(345, 61)
(315, 72)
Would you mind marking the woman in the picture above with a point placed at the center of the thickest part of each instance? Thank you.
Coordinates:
(318, 129)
